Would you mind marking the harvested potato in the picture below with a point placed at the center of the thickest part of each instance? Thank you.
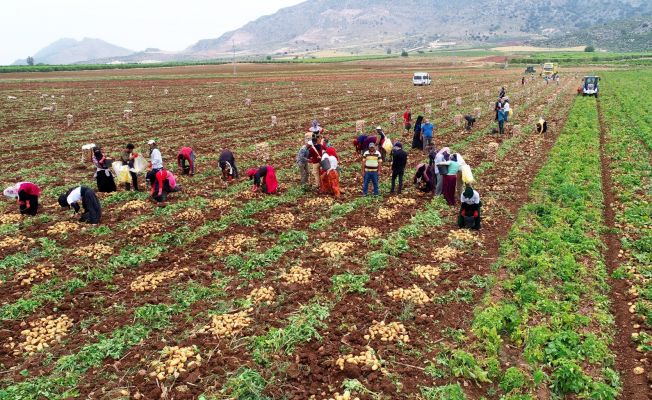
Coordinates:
(414, 294)
(297, 275)
(427, 272)
(175, 360)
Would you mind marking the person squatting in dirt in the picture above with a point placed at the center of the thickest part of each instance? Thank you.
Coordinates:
(399, 161)
(541, 126)
(423, 178)
(469, 216)
(103, 174)
(186, 155)
(371, 167)
(89, 202)
(470, 121)
(330, 177)
(128, 157)
(163, 182)
(27, 194)
(264, 179)
(226, 162)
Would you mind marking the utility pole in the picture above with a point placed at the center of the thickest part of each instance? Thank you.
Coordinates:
(234, 71)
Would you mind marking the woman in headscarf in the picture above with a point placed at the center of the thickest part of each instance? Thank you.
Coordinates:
(27, 194)
(89, 202)
(450, 179)
(417, 140)
(359, 142)
(186, 155)
(128, 158)
(459, 183)
(469, 216)
(264, 179)
(441, 169)
(227, 165)
(330, 179)
(164, 182)
(423, 178)
(103, 175)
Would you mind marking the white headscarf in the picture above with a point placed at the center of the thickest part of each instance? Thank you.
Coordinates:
(12, 191)
(440, 155)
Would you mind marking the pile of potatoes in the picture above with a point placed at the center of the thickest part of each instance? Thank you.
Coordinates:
(39, 272)
(41, 334)
(233, 244)
(414, 294)
(366, 358)
(63, 227)
(281, 220)
(427, 272)
(262, 295)
(297, 275)
(151, 281)
(364, 233)
(318, 203)
(219, 204)
(95, 251)
(386, 213)
(145, 230)
(344, 396)
(445, 254)
(334, 249)
(228, 325)
(190, 214)
(9, 218)
(177, 360)
(402, 201)
(394, 331)
(9, 242)
(462, 235)
(133, 205)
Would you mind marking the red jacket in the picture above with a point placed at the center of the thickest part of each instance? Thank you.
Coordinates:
(30, 189)
(161, 176)
(185, 153)
(314, 154)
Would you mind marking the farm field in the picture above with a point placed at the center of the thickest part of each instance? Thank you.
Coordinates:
(227, 294)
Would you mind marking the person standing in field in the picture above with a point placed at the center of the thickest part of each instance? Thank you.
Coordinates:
(522, 81)
(442, 169)
(417, 139)
(407, 119)
(427, 132)
(89, 202)
(501, 94)
(103, 174)
(330, 180)
(128, 156)
(156, 160)
(315, 152)
(27, 194)
(226, 163)
(498, 106)
(371, 167)
(186, 155)
(302, 159)
(399, 161)
(450, 179)
(502, 117)
(264, 179)
(507, 109)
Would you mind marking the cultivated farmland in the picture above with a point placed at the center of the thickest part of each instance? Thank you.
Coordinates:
(226, 293)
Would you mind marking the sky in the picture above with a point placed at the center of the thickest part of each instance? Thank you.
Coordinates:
(30, 25)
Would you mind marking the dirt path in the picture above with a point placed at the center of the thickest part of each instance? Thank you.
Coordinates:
(634, 387)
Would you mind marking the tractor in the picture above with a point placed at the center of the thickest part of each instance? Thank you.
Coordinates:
(530, 69)
(590, 85)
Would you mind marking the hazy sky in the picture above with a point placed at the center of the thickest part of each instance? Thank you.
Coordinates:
(29, 25)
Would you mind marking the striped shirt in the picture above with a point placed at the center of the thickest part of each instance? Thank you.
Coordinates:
(371, 160)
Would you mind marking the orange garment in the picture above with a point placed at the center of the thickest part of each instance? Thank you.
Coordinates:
(330, 183)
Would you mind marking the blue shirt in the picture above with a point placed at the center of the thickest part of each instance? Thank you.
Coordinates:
(426, 129)
(501, 115)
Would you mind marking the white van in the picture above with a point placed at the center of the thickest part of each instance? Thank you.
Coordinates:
(421, 79)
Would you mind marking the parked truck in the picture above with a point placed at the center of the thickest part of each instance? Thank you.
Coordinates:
(550, 70)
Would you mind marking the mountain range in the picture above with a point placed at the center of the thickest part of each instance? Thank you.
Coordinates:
(355, 26)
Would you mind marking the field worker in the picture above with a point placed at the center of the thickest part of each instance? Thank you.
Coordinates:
(226, 163)
(380, 142)
(314, 158)
(469, 216)
(427, 132)
(27, 194)
(498, 106)
(441, 169)
(164, 182)
(371, 166)
(502, 117)
(450, 179)
(417, 139)
(330, 179)
(128, 156)
(506, 108)
(459, 183)
(522, 81)
(407, 119)
(103, 174)
(302, 160)
(399, 161)
(501, 94)
(368, 141)
(89, 202)
(264, 179)
(359, 142)
(156, 160)
(470, 120)
(542, 126)
(186, 154)
(423, 178)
